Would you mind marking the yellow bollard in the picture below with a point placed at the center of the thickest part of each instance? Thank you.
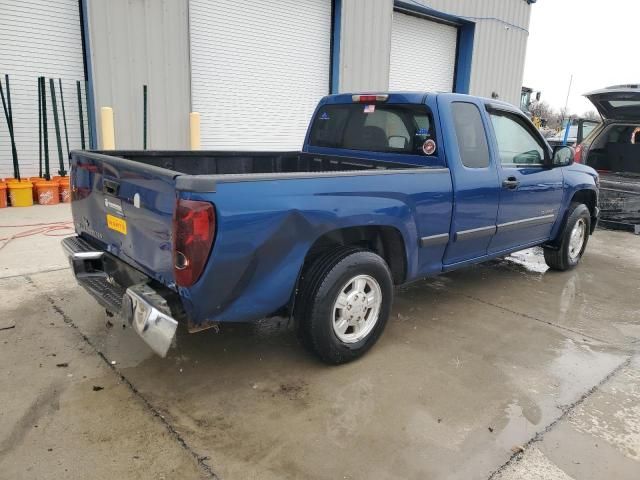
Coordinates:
(108, 134)
(194, 130)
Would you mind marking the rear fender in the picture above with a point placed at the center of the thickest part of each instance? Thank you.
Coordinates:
(254, 271)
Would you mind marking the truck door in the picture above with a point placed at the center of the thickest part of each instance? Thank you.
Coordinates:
(474, 177)
(531, 193)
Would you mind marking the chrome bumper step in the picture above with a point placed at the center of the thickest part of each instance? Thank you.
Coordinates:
(145, 309)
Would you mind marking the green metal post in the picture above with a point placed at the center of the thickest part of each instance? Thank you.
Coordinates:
(56, 123)
(45, 128)
(6, 79)
(86, 93)
(6, 105)
(64, 118)
(80, 115)
(144, 108)
(39, 130)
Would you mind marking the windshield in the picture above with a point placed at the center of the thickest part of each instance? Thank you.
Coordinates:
(587, 128)
(573, 132)
(375, 127)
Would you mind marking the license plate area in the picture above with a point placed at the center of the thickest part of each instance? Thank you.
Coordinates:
(117, 224)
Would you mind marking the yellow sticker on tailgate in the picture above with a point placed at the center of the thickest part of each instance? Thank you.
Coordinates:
(117, 224)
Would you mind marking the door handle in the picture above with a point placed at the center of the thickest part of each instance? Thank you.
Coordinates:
(510, 183)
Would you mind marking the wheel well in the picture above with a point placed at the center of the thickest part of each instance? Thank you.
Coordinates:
(385, 241)
(588, 197)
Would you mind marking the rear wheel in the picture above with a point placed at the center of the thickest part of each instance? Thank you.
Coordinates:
(343, 303)
(572, 240)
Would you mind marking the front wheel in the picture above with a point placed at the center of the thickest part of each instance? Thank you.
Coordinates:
(572, 239)
(343, 303)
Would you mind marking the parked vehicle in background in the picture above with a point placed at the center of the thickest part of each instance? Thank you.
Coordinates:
(388, 188)
(613, 148)
(579, 129)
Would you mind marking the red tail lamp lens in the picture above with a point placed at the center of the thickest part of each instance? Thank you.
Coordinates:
(194, 229)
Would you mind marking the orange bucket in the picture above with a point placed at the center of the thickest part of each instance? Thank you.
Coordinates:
(3, 195)
(20, 193)
(65, 192)
(48, 192)
(35, 180)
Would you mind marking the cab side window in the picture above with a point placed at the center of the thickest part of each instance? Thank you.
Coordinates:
(516, 145)
(472, 140)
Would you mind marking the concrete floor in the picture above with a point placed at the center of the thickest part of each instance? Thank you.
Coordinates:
(501, 371)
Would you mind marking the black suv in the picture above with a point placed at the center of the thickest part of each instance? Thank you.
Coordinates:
(613, 148)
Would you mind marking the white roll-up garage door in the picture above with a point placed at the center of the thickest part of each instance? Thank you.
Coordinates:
(258, 68)
(423, 54)
(39, 37)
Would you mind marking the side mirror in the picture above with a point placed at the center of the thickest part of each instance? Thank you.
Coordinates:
(562, 156)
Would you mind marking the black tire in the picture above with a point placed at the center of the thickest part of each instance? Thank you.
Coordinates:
(559, 257)
(319, 288)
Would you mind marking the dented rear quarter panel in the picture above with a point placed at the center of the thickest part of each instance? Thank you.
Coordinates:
(265, 229)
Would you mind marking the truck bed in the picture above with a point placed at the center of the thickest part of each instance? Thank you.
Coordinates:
(248, 162)
(137, 190)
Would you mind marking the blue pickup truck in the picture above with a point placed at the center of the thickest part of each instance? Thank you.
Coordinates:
(388, 188)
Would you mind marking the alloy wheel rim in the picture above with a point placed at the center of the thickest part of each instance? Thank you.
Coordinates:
(576, 239)
(357, 308)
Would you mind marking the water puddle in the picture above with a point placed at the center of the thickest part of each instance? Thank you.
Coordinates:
(531, 259)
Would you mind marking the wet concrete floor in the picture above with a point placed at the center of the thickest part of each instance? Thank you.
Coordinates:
(501, 370)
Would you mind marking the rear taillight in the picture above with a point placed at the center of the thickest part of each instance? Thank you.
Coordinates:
(194, 229)
(577, 156)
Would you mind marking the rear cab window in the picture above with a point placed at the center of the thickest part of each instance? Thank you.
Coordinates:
(388, 128)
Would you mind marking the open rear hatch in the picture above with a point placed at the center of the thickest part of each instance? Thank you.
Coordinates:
(620, 102)
(126, 208)
(618, 158)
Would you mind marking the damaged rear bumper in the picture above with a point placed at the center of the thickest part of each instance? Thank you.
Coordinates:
(143, 307)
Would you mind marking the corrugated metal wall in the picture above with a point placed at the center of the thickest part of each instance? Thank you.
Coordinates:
(39, 37)
(499, 49)
(147, 41)
(365, 44)
(258, 70)
(407, 70)
(498, 54)
(137, 42)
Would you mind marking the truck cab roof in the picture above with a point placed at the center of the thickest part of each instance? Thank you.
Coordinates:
(392, 97)
(411, 98)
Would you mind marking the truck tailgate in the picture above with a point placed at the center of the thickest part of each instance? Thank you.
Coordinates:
(125, 207)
